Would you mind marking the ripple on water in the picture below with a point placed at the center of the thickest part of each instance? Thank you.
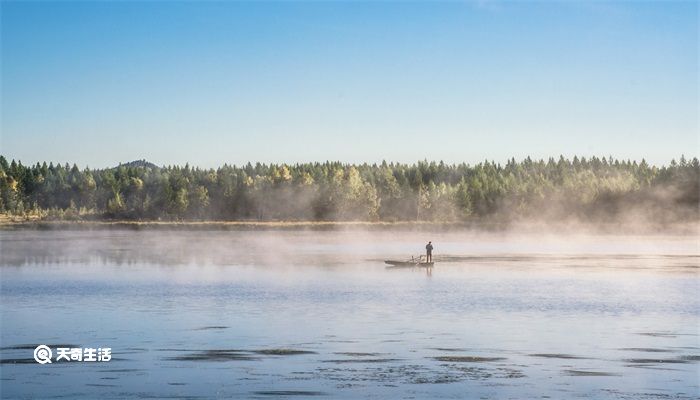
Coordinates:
(574, 372)
(467, 359)
(235, 354)
(647, 350)
(288, 393)
(557, 355)
(362, 360)
(209, 328)
(282, 352)
(447, 349)
(656, 361)
(658, 334)
(214, 355)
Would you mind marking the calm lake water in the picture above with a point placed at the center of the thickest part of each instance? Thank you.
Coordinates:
(304, 314)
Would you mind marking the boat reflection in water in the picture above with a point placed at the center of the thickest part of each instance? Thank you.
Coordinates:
(414, 262)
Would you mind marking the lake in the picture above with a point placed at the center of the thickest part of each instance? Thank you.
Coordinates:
(317, 314)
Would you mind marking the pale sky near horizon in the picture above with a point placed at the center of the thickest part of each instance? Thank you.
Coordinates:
(98, 83)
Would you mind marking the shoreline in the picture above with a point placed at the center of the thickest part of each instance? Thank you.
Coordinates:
(564, 227)
(147, 224)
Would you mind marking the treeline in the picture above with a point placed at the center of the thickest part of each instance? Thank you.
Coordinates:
(584, 188)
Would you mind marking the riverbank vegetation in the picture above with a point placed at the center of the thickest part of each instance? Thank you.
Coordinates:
(584, 189)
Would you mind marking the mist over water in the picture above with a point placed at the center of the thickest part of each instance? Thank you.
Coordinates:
(304, 313)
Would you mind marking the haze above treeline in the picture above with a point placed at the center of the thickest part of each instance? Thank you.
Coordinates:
(583, 189)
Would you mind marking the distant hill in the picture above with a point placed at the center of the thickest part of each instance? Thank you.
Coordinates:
(139, 163)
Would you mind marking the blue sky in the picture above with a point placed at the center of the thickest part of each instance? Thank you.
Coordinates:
(98, 83)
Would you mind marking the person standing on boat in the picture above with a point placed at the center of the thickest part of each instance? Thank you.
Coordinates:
(429, 252)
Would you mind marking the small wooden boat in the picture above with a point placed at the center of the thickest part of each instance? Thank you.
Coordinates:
(409, 263)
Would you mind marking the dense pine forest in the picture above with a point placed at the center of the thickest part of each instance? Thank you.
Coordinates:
(589, 189)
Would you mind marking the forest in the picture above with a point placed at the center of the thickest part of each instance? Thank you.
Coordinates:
(587, 189)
